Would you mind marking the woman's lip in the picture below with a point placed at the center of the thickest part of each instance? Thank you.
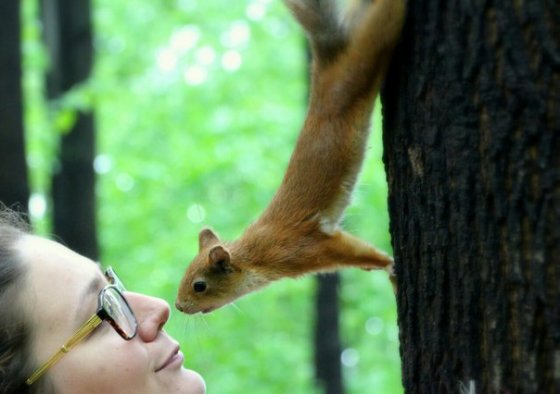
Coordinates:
(176, 357)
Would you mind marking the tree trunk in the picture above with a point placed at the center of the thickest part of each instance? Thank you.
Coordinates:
(472, 153)
(68, 34)
(328, 348)
(14, 189)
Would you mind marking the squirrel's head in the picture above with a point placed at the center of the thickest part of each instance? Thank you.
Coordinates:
(211, 280)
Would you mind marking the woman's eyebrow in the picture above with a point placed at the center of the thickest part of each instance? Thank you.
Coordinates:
(92, 287)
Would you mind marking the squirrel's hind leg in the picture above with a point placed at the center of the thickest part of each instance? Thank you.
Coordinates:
(347, 250)
(343, 249)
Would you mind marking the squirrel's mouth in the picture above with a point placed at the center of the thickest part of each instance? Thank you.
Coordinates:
(207, 310)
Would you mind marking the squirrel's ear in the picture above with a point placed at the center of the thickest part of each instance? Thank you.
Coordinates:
(207, 238)
(219, 258)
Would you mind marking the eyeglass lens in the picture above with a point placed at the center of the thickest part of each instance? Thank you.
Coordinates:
(117, 308)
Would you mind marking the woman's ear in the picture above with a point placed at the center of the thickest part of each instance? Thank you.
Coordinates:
(219, 258)
(207, 238)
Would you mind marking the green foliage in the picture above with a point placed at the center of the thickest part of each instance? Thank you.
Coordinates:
(198, 105)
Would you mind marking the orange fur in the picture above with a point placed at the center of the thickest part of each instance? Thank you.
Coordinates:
(299, 231)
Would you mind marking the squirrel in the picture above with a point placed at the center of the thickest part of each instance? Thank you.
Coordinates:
(299, 233)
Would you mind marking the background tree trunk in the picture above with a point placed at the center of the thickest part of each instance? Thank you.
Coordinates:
(14, 189)
(328, 348)
(472, 152)
(68, 34)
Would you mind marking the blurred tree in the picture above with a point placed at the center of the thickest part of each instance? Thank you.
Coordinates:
(68, 36)
(472, 152)
(14, 189)
(327, 335)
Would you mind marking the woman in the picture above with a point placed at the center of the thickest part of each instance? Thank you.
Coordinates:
(113, 339)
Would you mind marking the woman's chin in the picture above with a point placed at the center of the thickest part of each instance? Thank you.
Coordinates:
(193, 382)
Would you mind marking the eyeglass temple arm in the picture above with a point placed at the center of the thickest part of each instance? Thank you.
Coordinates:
(82, 332)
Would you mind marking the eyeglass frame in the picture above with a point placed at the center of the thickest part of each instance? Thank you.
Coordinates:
(89, 326)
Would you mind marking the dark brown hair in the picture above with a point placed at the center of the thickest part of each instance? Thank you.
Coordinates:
(15, 352)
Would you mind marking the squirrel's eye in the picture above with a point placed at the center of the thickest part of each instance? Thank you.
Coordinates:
(199, 286)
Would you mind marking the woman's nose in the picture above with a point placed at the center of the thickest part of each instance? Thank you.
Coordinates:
(151, 314)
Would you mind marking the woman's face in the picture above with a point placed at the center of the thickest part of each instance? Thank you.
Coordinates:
(61, 292)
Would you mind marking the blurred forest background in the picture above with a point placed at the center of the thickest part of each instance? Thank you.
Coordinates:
(197, 105)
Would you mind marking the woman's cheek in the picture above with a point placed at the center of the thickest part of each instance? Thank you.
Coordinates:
(119, 363)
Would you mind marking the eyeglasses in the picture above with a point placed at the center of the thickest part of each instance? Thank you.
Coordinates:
(112, 308)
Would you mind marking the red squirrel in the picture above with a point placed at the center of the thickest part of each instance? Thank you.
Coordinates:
(299, 231)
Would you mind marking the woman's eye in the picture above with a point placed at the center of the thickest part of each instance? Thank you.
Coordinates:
(199, 286)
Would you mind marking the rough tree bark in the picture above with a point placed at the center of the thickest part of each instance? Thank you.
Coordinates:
(68, 35)
(14, 189)
(472, 153)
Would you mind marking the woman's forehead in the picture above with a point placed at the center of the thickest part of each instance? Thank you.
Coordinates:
(50, 261)
(56, 279)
